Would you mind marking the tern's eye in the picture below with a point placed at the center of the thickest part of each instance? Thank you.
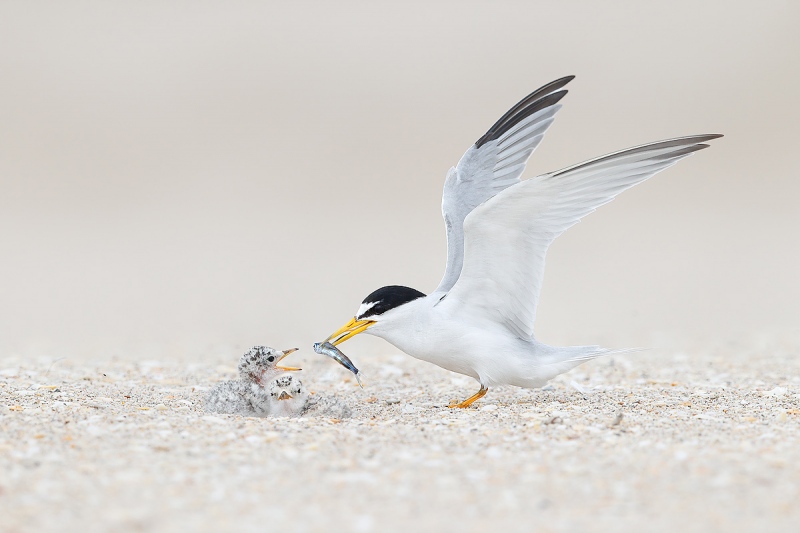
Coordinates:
(271, 358)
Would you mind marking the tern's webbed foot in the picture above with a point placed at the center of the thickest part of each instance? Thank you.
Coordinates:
(469, 401)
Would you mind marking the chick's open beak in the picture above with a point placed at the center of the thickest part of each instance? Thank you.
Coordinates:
(285, 396)
(281, 358)
(351, 329)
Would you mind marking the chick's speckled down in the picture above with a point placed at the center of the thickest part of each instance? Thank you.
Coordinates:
(238, 398)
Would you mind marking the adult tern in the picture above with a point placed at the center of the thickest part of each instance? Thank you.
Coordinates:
(479, 320)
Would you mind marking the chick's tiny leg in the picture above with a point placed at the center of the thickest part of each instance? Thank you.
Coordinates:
(469, 401)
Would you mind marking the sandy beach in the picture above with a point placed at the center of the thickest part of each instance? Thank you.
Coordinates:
(655, 441)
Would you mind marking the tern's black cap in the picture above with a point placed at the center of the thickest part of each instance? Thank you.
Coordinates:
(387, 298)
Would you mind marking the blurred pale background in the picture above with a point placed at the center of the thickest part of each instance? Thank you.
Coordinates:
(181, 178)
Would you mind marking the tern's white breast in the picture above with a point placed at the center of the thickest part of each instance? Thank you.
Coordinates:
(444, 334)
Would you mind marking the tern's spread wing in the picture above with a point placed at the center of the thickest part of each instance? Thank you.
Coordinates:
(507, 237)
(493, 163)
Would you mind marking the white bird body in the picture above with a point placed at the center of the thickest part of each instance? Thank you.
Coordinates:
(479, 321)
(444, 333)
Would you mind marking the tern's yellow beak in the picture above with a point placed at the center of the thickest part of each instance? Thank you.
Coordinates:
(351, 329)
(282, 357)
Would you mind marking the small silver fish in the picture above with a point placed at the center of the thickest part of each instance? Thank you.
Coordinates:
(326, 348)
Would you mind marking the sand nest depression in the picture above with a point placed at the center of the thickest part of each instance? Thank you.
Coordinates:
(700, 441)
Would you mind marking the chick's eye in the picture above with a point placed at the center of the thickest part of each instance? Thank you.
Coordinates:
(271, 358)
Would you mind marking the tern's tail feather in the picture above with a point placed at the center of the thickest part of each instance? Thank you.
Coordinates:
(565, 359)
(595, 351)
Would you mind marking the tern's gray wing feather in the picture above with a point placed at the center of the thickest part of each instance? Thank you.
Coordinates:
(492, 164)
(507, 237)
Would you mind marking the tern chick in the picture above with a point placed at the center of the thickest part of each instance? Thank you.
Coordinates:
(286, 396)
(248, 395)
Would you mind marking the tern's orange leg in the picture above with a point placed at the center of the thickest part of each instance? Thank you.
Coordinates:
(469, 401)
